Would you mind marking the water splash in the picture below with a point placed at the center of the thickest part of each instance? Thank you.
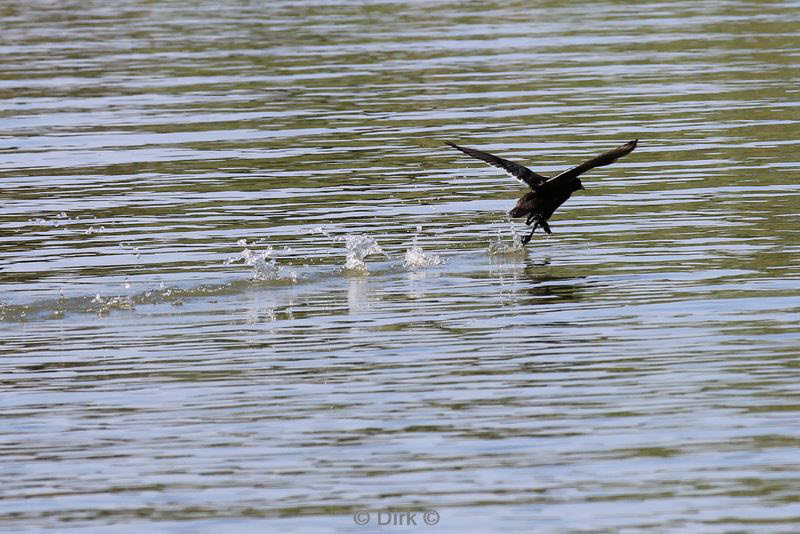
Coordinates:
(416, 258)
(103, 306)
(263, 263)
(507, 241)
(359, 246)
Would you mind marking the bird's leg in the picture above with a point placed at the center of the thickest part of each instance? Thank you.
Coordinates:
(545, 226)
(528, 237)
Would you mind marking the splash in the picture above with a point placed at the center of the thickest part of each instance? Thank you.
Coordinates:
(103, 306)
(507, 241)
(416, 258)
(359, 246)
(64, 222)
(263, 264)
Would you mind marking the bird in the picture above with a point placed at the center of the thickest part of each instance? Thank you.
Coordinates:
(547, 194)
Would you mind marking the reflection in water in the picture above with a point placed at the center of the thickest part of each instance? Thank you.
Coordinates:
(358, 297)
(545, 288)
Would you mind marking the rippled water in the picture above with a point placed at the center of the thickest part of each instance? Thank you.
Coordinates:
(245, 286)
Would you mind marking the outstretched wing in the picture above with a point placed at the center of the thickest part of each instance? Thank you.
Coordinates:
(606, 158)
(523, 174)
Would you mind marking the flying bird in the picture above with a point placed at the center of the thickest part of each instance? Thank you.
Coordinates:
(546, 194)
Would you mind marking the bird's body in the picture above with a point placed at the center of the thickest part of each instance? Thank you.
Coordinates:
(547, 194)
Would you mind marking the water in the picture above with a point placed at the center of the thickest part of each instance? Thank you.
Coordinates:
(245, 287)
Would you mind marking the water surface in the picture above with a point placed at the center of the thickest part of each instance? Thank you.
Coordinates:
(244, 286)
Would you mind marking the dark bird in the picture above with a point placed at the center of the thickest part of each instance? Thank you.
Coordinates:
(546, 194)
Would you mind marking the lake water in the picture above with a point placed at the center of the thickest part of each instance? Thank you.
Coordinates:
(245, 287)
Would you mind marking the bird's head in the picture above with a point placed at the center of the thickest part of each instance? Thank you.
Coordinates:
(576, 185)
